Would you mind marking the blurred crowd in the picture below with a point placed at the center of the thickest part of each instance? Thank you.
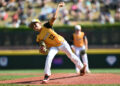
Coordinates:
(109, 11)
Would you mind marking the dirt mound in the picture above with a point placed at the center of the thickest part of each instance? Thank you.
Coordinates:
(70, 79)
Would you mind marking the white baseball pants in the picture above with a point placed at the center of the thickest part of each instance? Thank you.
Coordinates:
(77, 51)
(67, 50)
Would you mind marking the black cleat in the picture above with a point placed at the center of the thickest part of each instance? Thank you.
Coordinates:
(46, 79)
(83, 70)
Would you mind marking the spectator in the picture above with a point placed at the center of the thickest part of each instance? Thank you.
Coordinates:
(96, 6)
(117, 13)
(15, 17)
(74, 11)
(22, 14)
(30, 11)
(42, 3)
(65, 18)
(105, 15)
(107, 2)
(11, 5)
(30, 1)
(88, 7)
(15, 20)
(21, 4)
(81, 8)
(3, 14)
(45, 12)
(2, 3)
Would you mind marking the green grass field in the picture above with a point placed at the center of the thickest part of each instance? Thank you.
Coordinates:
(37, 71)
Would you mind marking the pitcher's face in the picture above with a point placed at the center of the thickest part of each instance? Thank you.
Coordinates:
(37, 26)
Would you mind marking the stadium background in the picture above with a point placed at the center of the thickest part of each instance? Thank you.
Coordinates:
(18, 48)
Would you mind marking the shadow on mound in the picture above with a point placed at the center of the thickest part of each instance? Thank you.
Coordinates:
(40, 81)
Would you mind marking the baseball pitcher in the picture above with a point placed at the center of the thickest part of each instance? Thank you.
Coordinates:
(49, 39)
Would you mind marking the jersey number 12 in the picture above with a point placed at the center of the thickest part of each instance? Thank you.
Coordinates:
(51, 37)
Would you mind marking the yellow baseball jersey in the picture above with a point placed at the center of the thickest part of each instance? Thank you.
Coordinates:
(78, 39)
(50, 37)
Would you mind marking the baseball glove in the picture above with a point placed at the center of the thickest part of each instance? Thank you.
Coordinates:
(43, 48)
(82, 52)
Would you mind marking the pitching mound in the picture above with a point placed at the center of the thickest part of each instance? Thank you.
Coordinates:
(69, 79)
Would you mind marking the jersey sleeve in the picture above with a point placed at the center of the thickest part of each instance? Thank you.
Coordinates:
(47, 25)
